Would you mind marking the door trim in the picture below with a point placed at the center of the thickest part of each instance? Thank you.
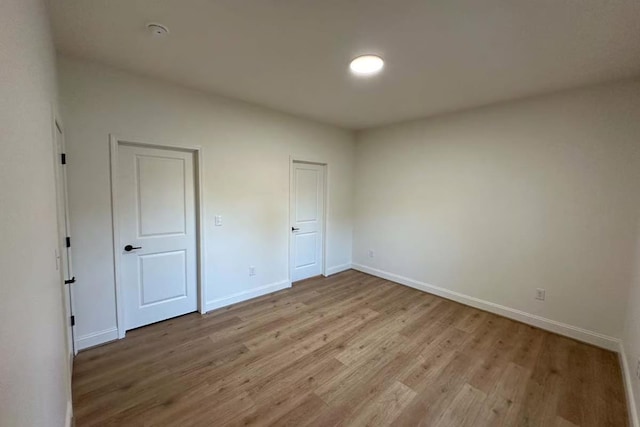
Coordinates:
(61, 183)
(313, 161)
(114, 143)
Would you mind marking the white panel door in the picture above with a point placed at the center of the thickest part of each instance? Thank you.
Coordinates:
(157, 234)
(307, 220)
(64, 250)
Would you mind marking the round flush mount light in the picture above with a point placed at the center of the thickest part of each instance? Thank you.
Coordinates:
(157, 30)
(366, 65)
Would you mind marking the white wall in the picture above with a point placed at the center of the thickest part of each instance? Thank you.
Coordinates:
(34, 377)
(631, 337)
(495, 202)
(246, 180)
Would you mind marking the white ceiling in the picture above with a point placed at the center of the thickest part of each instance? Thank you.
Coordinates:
(293, 55)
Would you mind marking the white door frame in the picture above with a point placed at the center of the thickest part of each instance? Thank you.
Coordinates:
(57, 125)
(114, 143)
(61, 185)
(314, 161)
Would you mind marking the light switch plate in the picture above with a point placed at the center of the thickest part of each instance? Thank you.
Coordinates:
(218, 220)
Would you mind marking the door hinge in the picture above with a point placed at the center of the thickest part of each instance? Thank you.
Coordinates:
(73, 320)
(68, 241)
(70, 281)
(63, 158)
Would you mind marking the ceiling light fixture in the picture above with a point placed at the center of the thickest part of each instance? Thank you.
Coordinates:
(158, 30)
(366, 65)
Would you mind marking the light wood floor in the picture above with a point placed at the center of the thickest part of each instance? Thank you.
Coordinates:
(351, 349)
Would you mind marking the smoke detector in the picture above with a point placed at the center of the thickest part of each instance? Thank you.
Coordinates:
(157, 30)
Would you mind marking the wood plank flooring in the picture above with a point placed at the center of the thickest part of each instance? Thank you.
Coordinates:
(348, 350)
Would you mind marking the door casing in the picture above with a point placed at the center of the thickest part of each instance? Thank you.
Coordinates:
(64, 254)
(314, 161)
(114, 143)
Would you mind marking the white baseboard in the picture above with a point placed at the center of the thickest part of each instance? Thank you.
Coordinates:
(96, 338)
(627, 376)
(68, 421)
(338, 269)
(591, 337)
(245, 295)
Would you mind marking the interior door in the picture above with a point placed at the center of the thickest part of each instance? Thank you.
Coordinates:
(157, 234)
(63, 255)
(307, 220)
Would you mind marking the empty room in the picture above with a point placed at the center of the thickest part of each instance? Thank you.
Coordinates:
(319, 213)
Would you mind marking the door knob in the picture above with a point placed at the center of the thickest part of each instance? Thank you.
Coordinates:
(294, 229)
(129, 248)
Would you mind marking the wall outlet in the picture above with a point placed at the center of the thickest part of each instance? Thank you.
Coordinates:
(252, 271)
(371, 253)
(540, 294)
(638, 369)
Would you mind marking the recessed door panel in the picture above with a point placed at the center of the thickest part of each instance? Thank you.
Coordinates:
(161, 189)
(163, 277)
(306, 194)
(306, 249)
